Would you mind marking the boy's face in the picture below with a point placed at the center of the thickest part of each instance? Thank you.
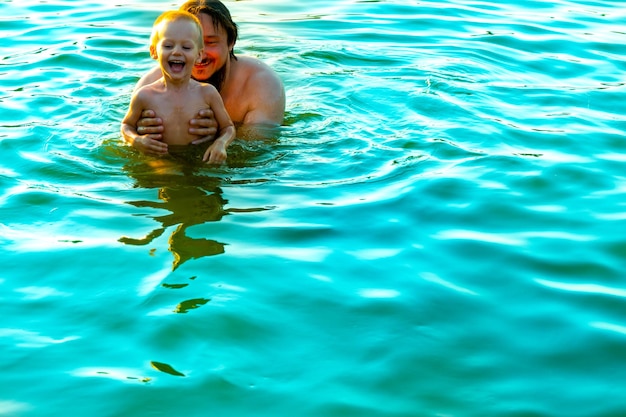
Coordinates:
(216, 51)
(177, 50)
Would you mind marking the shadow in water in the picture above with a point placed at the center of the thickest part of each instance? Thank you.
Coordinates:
(188, 191)
(189, 198)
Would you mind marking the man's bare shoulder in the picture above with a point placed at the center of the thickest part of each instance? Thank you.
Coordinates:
(208, 91)
(263, 91)
(256, 72)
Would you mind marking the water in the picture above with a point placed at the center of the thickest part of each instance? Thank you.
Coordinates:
(438, 229)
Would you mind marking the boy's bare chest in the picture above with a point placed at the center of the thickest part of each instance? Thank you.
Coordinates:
(176, 111)
(178, 108)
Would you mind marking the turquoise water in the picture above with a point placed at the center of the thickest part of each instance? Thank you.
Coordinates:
(437, 230)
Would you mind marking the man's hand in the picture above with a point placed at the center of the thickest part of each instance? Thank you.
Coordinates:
(149, 124)
(149, 138)
(203, 125)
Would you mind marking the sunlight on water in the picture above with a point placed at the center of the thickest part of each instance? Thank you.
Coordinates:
(584, 288)
(8, 408)
(610, 327)
(379, 293)
(437, 280)
(437, 229)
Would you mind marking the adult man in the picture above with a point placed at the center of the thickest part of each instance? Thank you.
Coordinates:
(252, 92)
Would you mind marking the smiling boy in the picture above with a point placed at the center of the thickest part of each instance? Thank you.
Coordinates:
(176, 43)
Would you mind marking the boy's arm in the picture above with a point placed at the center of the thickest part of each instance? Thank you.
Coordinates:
(148, 123)
(149, 144)
(216, 153)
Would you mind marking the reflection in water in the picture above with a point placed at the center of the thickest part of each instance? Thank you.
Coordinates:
(190, 199)
(184, 306)
(164, 367)
(189, 195)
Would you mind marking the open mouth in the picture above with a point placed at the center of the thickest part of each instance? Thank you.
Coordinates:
(202, 64)
(177, 66)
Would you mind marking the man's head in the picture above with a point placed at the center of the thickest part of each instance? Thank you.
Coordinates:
(220, 16)
(220, 35)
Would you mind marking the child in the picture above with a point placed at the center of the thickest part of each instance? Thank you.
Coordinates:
(176, 43)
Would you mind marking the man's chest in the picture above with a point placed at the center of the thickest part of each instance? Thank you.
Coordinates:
(236, 100)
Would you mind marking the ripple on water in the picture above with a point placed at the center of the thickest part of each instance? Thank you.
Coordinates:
(436, 227)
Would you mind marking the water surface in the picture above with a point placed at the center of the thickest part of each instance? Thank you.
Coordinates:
(438, 229)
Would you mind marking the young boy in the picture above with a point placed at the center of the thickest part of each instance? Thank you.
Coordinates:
(176, 43)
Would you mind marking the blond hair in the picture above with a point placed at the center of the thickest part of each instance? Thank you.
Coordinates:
(172, 16)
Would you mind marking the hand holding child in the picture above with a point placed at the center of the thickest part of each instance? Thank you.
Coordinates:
(149, 135)
(204, 125)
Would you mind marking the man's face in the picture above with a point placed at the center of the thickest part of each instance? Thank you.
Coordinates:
(216, 50)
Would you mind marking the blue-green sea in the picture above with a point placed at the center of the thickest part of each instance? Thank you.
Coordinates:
(438, 229)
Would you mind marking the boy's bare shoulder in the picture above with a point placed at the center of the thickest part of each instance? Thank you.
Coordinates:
(206, 86)
(146, 91)
(208, 90)
(141, 97)
(148, 78)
